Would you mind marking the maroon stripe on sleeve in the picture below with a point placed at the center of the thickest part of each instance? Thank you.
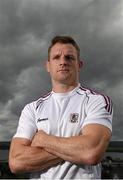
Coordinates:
(108, 101)
(42, 99)
(82, 88)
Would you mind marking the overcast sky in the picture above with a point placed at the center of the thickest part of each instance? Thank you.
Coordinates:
(26, 28)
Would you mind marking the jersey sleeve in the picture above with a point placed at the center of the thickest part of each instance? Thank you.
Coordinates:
(26, 126)
(99, 111)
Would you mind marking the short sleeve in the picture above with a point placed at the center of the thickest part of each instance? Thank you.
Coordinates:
(99, 111)
(27, 126)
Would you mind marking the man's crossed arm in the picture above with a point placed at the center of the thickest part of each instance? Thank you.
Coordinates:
(87, 148)
(25, 158)
(46, 151)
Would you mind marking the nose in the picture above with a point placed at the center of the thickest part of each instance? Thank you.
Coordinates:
(63, 61)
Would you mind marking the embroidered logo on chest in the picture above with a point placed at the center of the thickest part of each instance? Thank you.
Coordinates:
(44, 119)
(74, 117)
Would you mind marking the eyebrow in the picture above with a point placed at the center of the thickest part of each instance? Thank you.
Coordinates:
(66, 55)
(55, 55)
(58, 54)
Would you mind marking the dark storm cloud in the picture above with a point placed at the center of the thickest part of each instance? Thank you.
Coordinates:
(20, 18)
(102, 44)
(27, 26)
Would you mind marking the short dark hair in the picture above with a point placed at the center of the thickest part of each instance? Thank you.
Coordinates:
(64, 40)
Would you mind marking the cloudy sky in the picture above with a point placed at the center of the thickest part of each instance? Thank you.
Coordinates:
(26, 28)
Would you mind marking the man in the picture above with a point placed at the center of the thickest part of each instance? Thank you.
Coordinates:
(64, 134)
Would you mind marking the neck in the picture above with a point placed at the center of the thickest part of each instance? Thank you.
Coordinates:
(63, 88)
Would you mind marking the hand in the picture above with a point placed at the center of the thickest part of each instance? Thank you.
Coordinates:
(39, 139)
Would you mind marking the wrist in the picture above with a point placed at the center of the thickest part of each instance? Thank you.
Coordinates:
(50, 143)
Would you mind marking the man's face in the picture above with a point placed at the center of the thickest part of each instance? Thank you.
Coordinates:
(63, 64)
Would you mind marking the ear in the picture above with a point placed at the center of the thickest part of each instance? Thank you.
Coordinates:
(81, 63)
(46, 65)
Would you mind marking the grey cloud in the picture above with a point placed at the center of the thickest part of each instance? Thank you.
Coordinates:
(26, 27)
(7, 128)
(30, 85)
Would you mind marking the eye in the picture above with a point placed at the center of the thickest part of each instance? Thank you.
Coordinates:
(69, 57)
(56, 57)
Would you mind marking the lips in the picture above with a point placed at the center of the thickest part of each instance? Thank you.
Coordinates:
(63, 70)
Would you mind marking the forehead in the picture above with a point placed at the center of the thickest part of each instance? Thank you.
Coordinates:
(63, 48)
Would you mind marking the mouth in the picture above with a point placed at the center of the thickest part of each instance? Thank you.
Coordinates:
(63, 70)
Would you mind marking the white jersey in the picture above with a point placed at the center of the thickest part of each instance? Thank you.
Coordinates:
(65, 115)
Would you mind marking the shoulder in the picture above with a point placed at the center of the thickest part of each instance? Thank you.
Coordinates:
(97, 98)
(35, 104)
(32, 106)
(92, 94)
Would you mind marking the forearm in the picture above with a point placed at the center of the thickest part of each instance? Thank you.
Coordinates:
(35, 159)
(87, 148)
(28, 159)
(69, 149)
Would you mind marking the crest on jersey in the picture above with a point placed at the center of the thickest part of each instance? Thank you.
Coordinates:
(74, 117)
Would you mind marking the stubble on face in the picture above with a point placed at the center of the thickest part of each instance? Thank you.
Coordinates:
(63, 63)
